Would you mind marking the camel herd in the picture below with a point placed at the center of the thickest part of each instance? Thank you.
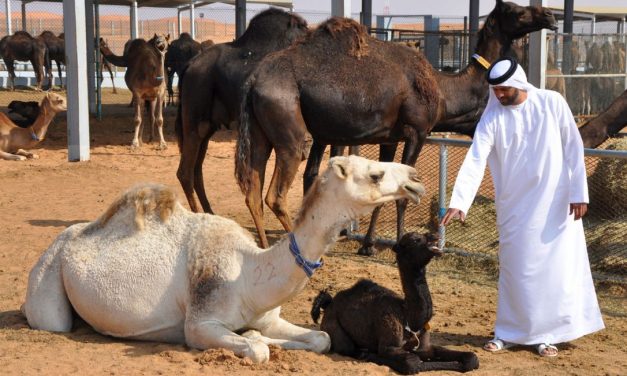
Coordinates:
(149, 269)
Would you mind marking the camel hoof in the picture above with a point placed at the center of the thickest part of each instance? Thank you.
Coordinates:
(135, 146)
(33, 156)
(257, 351)
(162, 146)
(20, 158)
(252, 334)
(366, 251)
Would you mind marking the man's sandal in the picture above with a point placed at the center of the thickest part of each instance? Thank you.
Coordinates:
(546, 350)
(496, 344)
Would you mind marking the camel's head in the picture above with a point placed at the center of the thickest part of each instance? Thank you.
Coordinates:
(160, 42)
(55, 102)
(364, 184)
(416, 250)
(517, 21)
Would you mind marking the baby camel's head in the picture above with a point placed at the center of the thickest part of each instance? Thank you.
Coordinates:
(417, 249)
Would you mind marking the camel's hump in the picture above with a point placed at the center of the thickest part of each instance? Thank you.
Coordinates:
(145, 200)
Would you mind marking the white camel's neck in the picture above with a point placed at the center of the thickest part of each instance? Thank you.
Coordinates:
(280, 277)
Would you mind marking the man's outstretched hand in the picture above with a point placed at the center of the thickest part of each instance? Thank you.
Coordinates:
(579, 209)
(451, 214)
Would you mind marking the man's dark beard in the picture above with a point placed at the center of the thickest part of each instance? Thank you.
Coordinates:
(508, 101)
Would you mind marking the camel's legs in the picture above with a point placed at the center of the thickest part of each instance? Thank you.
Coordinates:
(158, 116)
(313, 164)
(138, 103)
(292, 337)
(199, 183)
(27, 154)
(187, 166)
(259, 159)
(11, 69)
(39, 73)
(386, 154)
(60, 76)
(11, 157)
(285, 169)
(152, 109)
(212, 334)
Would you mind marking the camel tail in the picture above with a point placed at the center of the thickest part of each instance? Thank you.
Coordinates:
(243, 168)
(321, 302)
(145, 200)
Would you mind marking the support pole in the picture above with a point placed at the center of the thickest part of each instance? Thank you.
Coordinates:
(442, 193)
(341, 8)
(473, 26)
(537, 52)
(567, 58)
(133, 11)
(7, 9)
(98, 87)
(92, 58)
(240, 17)
(76, 57)
(192, 27)
(366, 13)
(23, 15)
(179, 22)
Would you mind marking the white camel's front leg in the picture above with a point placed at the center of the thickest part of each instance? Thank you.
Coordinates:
(213, 334)
(291, 337)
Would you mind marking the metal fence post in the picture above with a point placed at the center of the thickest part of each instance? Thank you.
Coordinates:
(442, 193)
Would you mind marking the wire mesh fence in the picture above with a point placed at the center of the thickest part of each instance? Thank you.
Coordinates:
(605, 224)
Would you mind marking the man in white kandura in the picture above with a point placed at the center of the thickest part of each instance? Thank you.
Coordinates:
(529, 139)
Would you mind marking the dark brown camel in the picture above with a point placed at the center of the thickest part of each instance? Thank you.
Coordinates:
(206, 44)
(145, 77)
(21, 46)
(373, 323)
(209, 91)
(120, 61)
(348, 88)
(179, 53)
(607, 124)
(56, 51)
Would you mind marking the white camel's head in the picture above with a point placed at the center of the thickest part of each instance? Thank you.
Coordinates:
(364, 184)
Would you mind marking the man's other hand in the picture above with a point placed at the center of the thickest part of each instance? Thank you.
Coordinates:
(451, 214)
(579, 209)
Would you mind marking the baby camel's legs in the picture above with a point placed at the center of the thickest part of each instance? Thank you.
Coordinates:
(27, 154)
(213, 334)
(11, 157)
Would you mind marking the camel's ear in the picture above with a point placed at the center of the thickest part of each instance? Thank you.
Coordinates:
(167, 37)
(340, 166)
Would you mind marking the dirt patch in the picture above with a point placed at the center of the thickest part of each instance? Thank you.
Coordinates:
(40, 198)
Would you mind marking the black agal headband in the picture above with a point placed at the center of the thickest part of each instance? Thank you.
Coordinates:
(505, 76)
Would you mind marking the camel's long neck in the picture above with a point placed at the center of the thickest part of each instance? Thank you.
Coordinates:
(466, 91)
(40, 126)
(418, 305)
(112, 58)
(278, 277)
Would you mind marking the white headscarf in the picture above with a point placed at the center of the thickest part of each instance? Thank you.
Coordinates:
(518, 80)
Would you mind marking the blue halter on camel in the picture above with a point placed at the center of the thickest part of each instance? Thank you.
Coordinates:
(308, 266)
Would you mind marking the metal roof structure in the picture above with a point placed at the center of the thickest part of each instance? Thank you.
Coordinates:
(600, 14)
(178, 3)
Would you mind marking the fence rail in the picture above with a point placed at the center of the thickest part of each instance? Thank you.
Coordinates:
(605, 224)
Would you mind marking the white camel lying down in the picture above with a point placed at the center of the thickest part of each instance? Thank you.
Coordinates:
(149, 269)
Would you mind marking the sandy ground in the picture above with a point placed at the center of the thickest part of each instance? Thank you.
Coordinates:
(40, 198)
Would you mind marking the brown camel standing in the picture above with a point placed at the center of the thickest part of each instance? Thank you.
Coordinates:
(209, 91)
(56, 52)
(607, 124)
(145, 77)
(345, 88)
(13, 139)
(21, 46)
(179, 53)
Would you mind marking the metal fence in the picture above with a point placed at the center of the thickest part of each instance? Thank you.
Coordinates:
(439, 162)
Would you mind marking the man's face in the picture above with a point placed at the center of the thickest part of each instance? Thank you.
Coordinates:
(507, 95)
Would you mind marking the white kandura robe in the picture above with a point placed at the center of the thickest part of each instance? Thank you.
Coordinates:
(535, 154)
